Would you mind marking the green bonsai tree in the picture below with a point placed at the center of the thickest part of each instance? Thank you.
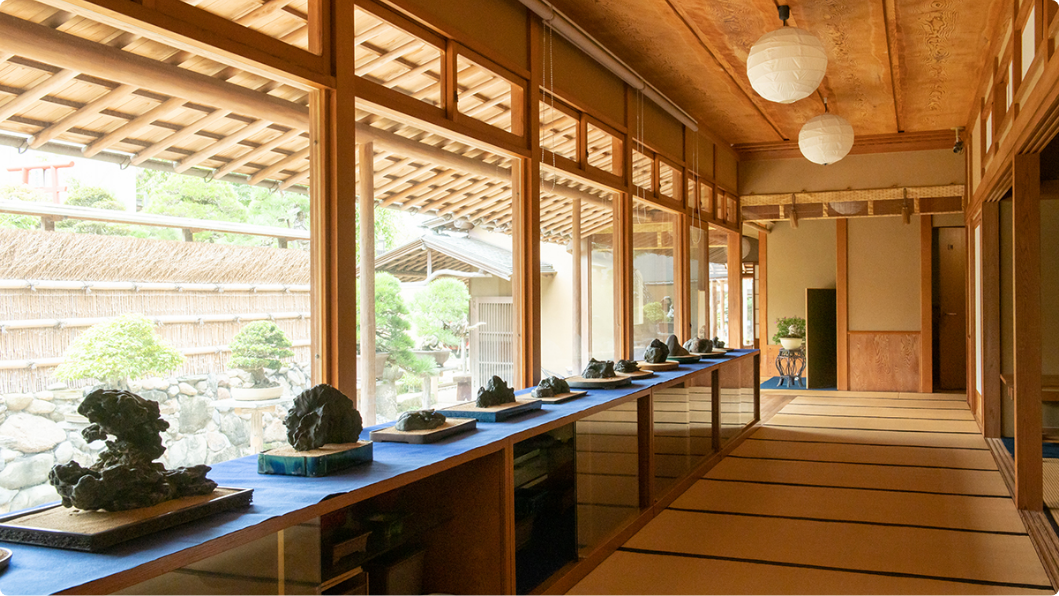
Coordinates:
(653, 313)
(259, 345)
(440, 313)
(115, 351)
(392, 326)
(789, 327)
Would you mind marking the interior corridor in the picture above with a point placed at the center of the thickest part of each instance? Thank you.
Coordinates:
(890, 493)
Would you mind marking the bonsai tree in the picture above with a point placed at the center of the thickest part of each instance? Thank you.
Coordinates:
(391, 326)
(115, 351)
(653, 313)
(789, 327)
(440, 313)
(259, 345)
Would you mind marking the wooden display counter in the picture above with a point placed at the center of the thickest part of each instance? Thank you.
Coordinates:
(468, 514)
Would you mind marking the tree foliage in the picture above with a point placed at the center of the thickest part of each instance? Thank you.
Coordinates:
(392, 326)
(20, 192)
(789, 327)
(115, 351)
(95, 197)
(440, 312)
(257, 346)
(653, 313)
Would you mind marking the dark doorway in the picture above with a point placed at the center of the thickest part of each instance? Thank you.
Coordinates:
(950, 308)
(821, 347)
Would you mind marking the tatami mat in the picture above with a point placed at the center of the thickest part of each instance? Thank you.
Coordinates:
(848, 493)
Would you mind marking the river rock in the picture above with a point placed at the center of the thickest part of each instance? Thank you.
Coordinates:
(236, 430)
(18, 401)
(27, 472)
(45, 395)
(31, 497)
(31, 434)
(64, 452)
(40, 407)
(187, 389)
(194, 414)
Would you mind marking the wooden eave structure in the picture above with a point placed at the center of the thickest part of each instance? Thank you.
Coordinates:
(422, 257)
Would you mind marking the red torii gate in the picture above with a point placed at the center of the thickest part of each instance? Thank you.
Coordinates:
(52, 190)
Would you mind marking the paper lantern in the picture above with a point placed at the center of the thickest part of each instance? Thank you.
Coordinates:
(786, 65)
(826, 139)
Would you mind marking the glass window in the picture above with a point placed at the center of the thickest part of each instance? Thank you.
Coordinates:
(718, 285)
(558, 130)
(642, 171)
(288, 23)
(577, 275)
(668, 180)
(732, 212)
(396, 59)
(705, 198)
(654, 298)
(482, 94)
(444, 306)
(698, 240)
(604, 150)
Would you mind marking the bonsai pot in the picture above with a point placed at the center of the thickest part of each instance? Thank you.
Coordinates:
(439, 356)
(256, 393)
(380, 363)
(791, 343)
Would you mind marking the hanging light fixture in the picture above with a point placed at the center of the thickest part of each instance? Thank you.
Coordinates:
(787, 64)
(826, 138)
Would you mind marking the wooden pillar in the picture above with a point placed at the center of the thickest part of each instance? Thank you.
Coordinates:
(333, 126)
(735, 290)
(842, 304)
(990, 362)
(367, 281)
(762, 302)
(682, 278)
(576, 304)
(1026, 269)
(702, 289)
(926, 302)
(587, 350)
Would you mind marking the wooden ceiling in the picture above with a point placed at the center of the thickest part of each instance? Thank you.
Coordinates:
(895, 66)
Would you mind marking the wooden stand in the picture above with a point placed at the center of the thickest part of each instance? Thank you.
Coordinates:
(495, 413)
(661, 366)
(611, 383)
(331, 458)
(640, 374)
(451, 427)
(563, 397)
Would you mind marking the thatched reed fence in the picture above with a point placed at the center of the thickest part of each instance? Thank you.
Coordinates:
(32, 255)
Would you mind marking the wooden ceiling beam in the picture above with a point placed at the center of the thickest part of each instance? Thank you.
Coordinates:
(863, 144)
(179, 136)
(216, 148)
(279, 166)
(298, 178)
(134, 126)
(889, 11)
(84, 114)
(263, 12)
(255, 154)
(72, 53)
(31, 95)
(417, 187)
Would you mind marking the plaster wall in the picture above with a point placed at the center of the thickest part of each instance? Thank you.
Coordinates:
(883, 274)
(798, 259)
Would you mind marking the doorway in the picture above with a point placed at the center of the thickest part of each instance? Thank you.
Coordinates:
(949, 308)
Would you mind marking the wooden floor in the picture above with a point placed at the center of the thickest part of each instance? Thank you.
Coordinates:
(851, 493)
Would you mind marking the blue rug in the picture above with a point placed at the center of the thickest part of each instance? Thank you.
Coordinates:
(774, 383)
(1051, 450)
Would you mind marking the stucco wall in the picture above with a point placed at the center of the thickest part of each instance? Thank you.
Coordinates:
(883, 274)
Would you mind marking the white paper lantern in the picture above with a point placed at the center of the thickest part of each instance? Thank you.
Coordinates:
(826, 139)
(786, 65)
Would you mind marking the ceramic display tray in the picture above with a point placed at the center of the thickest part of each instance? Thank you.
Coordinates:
(493, 414)
(661, 366)
(331, 458)
(56, 526)
(419, 437)
(558, 399)
(636, 376)
(580, 382)
(684, 359)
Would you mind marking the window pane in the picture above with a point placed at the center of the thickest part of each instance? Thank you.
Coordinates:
(289, 24)
(444, 308)
(700, 282)
(705, 197)
(577, 275)
(558, 131)
(668, 180)
(604, 150)
(654, 307)
(718, 285)
(483, 94)
(396, 59)
(642, 171)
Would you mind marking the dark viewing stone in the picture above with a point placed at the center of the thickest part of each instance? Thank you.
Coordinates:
(656, 353)
(627, 366)
(495, 393)
(551, 387)
(599, 369)
(322, 415)
(717, 343)
(675, 349)
(420, 420)
(126, 475)
(699, 345)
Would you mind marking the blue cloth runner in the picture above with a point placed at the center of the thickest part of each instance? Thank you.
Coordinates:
(38, 570)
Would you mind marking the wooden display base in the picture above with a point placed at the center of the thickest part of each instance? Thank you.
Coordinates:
(56, 526)
(495, 413)
(419, 437)
(580, 382)
(640, 374)
(562, 397)
(685, 359)
(710, 354)
(661, 366)
(331, 458)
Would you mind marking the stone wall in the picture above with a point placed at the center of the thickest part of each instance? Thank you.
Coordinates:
(39, 430)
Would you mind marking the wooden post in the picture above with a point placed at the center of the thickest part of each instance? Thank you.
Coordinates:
(682, 274)
(1026, 269)
(586, 296)
(702, 290)
(842, 304)
(367, 281)
(576, 305)
(763, 303)
(926, 303)
(735, 290)
(990, 361)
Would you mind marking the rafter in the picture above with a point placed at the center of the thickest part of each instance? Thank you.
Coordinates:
(134, 126)
(179, 136)
(279, 166)
(415, 188)
(84, 114)
(255, 154)
(216, 148)
(889, 11)
(31, 95)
